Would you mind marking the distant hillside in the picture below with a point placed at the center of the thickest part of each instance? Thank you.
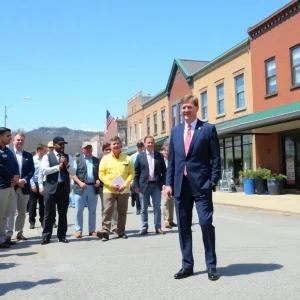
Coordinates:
(46, 134)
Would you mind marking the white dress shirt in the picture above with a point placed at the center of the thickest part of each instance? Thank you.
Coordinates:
(47, 170)
(19, 156)
(152, 155)
(193, 124)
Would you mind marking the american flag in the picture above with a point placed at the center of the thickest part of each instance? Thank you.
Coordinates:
(109, 120)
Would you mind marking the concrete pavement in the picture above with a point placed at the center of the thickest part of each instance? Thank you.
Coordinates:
(258, 255)
(284, 204)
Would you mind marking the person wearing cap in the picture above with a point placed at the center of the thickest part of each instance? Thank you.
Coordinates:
(9, 176)
(57, 167)
(116, 172)
(22, 189)
(50, 146)
(86, 188)
(134, 196)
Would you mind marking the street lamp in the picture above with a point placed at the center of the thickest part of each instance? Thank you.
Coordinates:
(6, 106)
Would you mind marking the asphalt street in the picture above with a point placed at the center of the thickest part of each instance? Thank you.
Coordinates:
(258, 258)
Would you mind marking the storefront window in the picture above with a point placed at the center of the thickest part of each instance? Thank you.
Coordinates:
(247, 161)
(228, 153)
(237, 141)
(247, 139)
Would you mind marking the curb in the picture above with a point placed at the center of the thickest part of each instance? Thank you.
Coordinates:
(266, 210)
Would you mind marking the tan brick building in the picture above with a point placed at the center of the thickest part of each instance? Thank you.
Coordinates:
(147, 116)
(224, 89)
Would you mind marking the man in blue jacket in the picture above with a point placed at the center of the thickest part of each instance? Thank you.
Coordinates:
(9, 176)
(194, 167)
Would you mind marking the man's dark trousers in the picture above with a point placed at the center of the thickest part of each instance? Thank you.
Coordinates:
(33, 200)
(61, 199)
(184, 212)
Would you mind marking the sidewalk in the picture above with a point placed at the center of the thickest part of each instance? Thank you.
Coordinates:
(284, 204)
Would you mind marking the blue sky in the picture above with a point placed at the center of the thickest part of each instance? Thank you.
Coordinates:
(75, 58)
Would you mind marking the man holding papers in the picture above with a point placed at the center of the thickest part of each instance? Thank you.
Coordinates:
(116, 172)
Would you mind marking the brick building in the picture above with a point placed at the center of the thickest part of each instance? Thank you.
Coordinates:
(275, 58)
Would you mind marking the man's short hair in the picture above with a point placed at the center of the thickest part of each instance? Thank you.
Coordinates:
(105, 145)
(20, 133)
(115, 138)
(40, 146)
(164, 147)
(148, 137)
(190, 97)
(3, 130)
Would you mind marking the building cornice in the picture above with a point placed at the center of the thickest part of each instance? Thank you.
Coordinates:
(281, 15)
(224, 58)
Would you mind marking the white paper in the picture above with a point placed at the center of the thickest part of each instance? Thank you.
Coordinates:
(119, 181)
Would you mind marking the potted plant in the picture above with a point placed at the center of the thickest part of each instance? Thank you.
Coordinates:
(275, 183)
(248, 176)
(262, 174)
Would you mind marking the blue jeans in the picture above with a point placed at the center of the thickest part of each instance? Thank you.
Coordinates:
(88, 195)
(155, 193)
(72, 199)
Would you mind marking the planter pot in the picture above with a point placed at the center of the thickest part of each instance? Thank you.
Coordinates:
(275, 186)
(249, 186)
(261, 186)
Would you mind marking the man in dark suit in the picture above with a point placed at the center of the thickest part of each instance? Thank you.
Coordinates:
(56, 168)
(194, 167)
(22, 188)
(150, 175)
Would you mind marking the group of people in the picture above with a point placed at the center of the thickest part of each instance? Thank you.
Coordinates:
(181, 174)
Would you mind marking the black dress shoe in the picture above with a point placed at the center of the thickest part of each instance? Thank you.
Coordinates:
(144, 231)
(55, 225)
(183, 273)
(31, 226)
(159, 231)
(45, 242)
(213, 274)
(63, 240)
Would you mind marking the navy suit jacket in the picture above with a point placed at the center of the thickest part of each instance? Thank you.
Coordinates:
(203, 161)
(141, 167)
(27, 170)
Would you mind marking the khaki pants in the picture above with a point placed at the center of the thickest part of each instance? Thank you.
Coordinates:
(109, 200)
(6, 201)
(20, 206)
(167, 207)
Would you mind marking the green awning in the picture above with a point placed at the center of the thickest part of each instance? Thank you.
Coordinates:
(264, 118)
(132, 149)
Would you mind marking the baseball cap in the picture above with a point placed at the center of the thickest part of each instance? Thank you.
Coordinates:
(86, 144)
(59, 139)
(50, 144)
(140, 144)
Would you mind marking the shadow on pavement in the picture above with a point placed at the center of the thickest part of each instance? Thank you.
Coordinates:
(4, 266)
(247, 269)
(244, 269)
(24, 285)
(18, 254)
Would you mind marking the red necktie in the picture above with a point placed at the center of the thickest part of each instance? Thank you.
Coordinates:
(187, 142)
